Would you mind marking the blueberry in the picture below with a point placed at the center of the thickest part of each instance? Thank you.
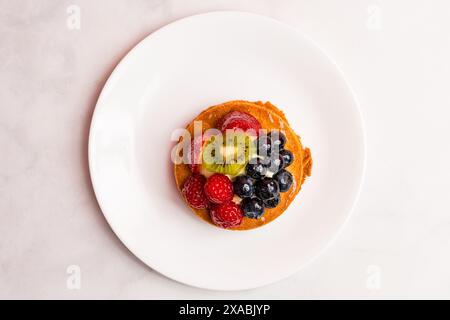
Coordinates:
(272, 202)
(278, 140)
(265, 161)
(284, 179)
(264, 146)
(244, 187)
(256, 169)
(252, 207)
(267, 188)
(274, 162)
(287, 156)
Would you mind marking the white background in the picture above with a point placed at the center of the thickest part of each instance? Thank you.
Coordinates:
(395, 55)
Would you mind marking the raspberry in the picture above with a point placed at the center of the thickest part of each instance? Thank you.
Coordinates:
(196, 153)
(239, 120)
(226, 215)
(218, 188)
(193, 191)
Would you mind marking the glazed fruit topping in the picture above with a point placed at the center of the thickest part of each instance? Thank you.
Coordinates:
(193, 191)
(226, 215)
(239, 120)
(252, 207)
(244, 186)
(256, 164)
(218, 189)
(284, 179)
(268, 172)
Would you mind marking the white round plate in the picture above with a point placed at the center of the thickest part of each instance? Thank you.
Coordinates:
(161, 85)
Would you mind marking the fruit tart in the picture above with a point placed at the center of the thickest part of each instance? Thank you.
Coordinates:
(239, 164)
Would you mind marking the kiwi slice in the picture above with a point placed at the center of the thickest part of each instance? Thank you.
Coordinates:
(228, 154)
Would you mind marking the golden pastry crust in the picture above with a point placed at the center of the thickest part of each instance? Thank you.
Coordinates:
(270, 118)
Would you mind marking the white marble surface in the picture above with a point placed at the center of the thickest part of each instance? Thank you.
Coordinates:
(394, 53)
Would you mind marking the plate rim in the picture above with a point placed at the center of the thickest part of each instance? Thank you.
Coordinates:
(355, 106)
